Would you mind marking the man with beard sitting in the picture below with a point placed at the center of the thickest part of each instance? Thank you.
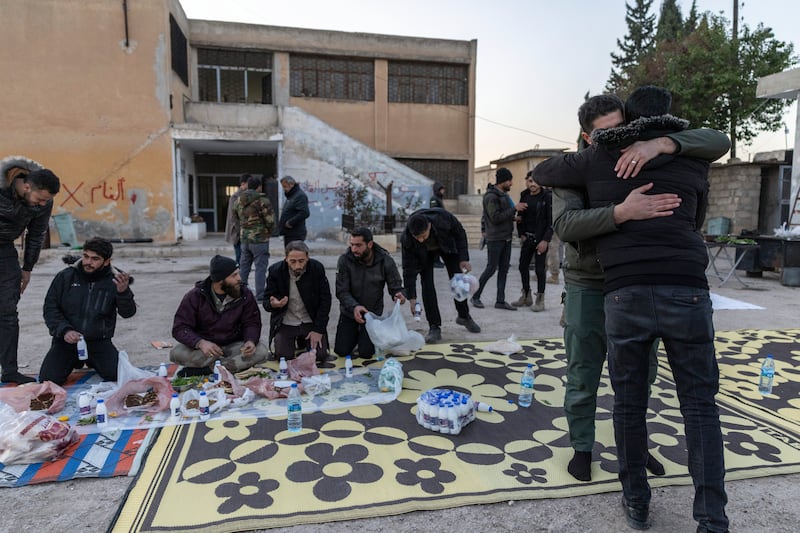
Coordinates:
(218, 320)
(83, 301)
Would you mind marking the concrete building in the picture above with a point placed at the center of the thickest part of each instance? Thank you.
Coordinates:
(519, 164)
(149, 117)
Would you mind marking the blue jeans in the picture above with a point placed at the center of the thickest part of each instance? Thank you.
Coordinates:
(498, 260)
(255, 253)
(682, 317)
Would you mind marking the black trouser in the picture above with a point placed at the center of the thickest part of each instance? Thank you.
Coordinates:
(527, 253)
(499, 259)
(10, 280)
(63, 357)
(350, 333)
(288, 337)
(429, 299)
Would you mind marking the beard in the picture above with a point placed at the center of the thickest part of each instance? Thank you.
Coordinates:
(234, 290)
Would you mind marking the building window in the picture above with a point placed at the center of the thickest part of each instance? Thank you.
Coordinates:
(785, 185)
(237, 76)
(329, 77)
(180, 64)
(453, 174)
(428, 83)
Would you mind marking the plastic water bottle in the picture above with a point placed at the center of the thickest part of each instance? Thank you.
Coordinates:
(434, 415)
(84, 406)
(526, 387)
(175, 406)
(348, 366)
(294, 410)
(484, 407)
(418, 311)
(162, 370)
(283, 369)
(205, 412)
(767, 374)
(101, 414)
(83, 352)
(217, 374)
(444, 421)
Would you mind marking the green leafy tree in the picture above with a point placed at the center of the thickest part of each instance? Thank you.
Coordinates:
(636, 44)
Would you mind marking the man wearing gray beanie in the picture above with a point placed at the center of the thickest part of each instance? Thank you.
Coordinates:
(218, 320)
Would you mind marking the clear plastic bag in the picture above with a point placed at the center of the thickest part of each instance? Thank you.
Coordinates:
(127, 372)
(387, 331)
(391, 377)
(462, 285)
(32, 437)
(504, 346)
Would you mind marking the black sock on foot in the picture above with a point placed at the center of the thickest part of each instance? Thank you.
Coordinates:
(654, 466)
(580, 466)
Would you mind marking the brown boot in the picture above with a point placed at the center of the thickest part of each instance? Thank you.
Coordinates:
(553, 278)
(525, 299)
(539, 305)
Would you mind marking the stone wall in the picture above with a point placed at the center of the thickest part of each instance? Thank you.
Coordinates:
(735, 190)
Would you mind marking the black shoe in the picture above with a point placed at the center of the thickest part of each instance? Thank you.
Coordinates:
(438, 264)
(476, 302)
(16, 377)
(580, 466)
(434, 335)
(704, 529)
(468, 323)
(189, 371)
(505, 305)
(636, 515)
(654, 466)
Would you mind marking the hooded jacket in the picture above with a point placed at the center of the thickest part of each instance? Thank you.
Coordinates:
(360, 284)
(295, 212)
(447, 231)
(197, 318)
(314, 289)
(659, 251)
(86, 303)
(16, 216)
(498, 214)
(256, 217)
(437, 198)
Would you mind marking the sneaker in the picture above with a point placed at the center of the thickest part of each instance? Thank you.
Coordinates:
(636, 515)
(476, 302)
(505, 305)
(468, 323)
(16, 377)
(434, 335)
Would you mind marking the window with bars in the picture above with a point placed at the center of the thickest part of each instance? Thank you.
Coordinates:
(428, 83)
(243, 76)
(331, 77)
(452, 173)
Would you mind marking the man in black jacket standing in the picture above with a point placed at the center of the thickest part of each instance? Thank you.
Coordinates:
(361, 274)
(83, 301)
(292, 224)
(431, 234)
(26, 201)
(534, 227)
(299, 297)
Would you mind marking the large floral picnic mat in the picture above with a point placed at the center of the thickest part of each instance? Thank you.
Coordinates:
(365, 461)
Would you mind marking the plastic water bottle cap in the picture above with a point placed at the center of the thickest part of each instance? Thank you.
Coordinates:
(294, 385)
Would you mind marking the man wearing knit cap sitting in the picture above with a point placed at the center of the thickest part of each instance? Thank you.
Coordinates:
(218, 320)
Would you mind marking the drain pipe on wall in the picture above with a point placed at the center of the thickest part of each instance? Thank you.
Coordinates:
(125, 14)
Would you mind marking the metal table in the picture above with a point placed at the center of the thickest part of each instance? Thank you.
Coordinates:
(722, 250)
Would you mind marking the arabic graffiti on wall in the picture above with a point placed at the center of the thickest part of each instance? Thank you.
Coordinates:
(100, 193)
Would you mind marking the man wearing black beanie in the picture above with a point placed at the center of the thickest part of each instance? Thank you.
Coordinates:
(218, 320)
(499, 213)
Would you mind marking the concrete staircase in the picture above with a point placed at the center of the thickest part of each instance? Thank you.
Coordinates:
(472, 225)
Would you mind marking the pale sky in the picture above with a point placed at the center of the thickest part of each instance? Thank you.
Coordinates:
(536, 58)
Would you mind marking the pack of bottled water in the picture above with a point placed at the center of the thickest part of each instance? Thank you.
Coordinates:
(462, 285)
(446, 411)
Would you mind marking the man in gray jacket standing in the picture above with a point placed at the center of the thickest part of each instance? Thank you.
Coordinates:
(499, 214)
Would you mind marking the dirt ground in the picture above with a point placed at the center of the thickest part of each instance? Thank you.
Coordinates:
(164, 274)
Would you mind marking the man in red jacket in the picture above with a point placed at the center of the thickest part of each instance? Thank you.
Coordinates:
(218, 320)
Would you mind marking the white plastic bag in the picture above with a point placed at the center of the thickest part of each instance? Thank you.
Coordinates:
(504, 346)
(32, 436)
(127, 372)
(388, 331)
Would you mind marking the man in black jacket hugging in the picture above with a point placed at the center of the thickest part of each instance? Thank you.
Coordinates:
(299, 297)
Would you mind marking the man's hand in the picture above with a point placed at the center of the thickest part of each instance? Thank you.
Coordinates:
(314, 340)
(277, 304)
(72, 336)
(522, 206)
(411, 304)
(210, 349)
(248, 348)
(358, 314)
(464, 266)
(122, 281)
(26, 278)
(641, 206)
(288, 226)
(542, 247)
(635, 156)
(399, 296)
